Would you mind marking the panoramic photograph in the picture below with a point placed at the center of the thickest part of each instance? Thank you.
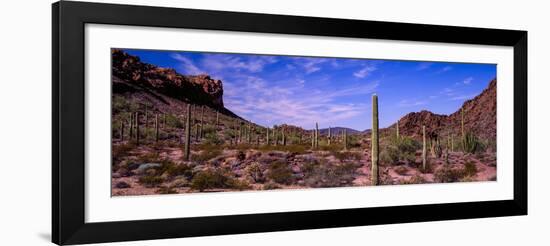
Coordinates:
(196, 122)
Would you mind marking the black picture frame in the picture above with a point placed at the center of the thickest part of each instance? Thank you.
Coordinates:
(68, 122)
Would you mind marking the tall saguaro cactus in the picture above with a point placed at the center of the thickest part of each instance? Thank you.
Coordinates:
(284, 139)
(146, 118)
(217, 118)
(131, 126)
(374, 141)
(462, 128)
(452, 144)
(267, 136)
(313, 139)
(424, 147)
(201, 122)
(122, 130)
(345, 139)
(156, 128)
(137, 128)
(316, 135)
(249, 132)
(329, 136)
(397, 129)
(187, 147)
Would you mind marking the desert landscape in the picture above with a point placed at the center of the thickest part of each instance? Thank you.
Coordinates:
(173, 133)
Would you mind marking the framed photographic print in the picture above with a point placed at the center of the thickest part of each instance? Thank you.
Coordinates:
(176, 122)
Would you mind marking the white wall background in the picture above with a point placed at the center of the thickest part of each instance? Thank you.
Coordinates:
(25, 98)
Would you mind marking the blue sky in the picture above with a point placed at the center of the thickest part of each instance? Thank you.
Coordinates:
(297, 90)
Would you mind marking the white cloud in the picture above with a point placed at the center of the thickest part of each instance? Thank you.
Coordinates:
(468, 80)
(364, 72)
(411, 103)
(424, 66)
(291, 103)
(218, 62)
(445, 69)
(187, 65)
(462, 97)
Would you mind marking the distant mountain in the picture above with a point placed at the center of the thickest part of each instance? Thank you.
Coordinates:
(479, 118)
(338, 130)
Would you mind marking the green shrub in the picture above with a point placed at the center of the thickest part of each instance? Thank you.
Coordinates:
(216, 179)
(172, 121)
(347, 155)
(212, 138)
(150, 181)
(327, 175)
(270, 186)
(118, 152)
(446, 174)
(416, 179)
(399, 149)
(470, 169)
(255, 172)
(173, 170)
(166, 190)
(206, 154)
(472, 144)
(401, 170)
(280, 173)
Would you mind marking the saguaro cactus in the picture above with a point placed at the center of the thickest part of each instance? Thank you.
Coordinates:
(316, 135)
(452, 144)
(374, 141)
(187, 147)
(201, 122)
(156, 127)
(397, 129)
(283, 137)
(217, 118)
(329, 136)
(313, 139)
(137, 128)
(424, 147)
(249, 132)
(462, 128)
(267, 136)
(131, 125)
(146, 118)
(122, 130)
(345, 139)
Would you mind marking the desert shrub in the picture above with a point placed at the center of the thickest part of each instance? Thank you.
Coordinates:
(172, 121)
(354, 141)
(347, 155)
(270, 186)
(206, 154)
(208, 129)
(173, 170)
(333, 147)
(212, 179)
(446, 174)
(240, 155)
(327, 175)
(149, 157)
(255, 172)
(472, 144)
(122, 185)
(121, 104)
(428, 169)
(166, 190)
(280, 172)
(399, 149)
(120, 151)
(212, 138)
(401, 170)
(416, 179)
(470, 169)
(292, 148)
(150, 181)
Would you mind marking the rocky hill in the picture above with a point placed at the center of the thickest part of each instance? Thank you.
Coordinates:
(479, 118)
(164, 87)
